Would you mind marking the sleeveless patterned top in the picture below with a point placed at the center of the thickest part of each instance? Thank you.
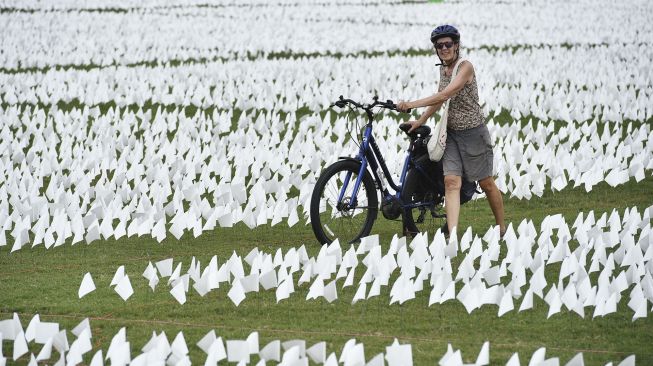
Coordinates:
(464, 109)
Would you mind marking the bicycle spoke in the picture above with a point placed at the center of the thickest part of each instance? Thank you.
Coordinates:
(344, 220)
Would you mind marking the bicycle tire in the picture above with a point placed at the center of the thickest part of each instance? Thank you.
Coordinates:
(345, 224)
(421, 219)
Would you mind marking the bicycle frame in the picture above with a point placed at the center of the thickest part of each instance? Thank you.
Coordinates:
(416, 193)
(370, 155)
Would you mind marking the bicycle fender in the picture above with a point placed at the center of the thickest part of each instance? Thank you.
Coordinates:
(349, 158)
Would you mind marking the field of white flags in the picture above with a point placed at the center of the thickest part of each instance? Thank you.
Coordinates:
(158, 159)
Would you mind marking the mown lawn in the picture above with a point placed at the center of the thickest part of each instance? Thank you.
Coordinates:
(46, 282)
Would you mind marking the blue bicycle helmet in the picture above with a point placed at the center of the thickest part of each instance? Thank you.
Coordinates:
(445, 31)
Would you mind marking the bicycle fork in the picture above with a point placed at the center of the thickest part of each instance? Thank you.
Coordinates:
(361, 172)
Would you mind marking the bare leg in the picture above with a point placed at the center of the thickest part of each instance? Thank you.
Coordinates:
(495, 200)
(452, 184)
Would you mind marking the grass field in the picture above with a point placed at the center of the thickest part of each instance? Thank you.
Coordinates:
(95, 89)
(45, 282)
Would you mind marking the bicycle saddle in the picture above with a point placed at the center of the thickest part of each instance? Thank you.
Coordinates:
(422, 130)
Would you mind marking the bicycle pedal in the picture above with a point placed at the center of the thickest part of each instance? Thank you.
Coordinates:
(436, 215)
(410, 234)
(420, 218)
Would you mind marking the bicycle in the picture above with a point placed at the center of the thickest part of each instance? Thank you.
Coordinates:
(338, 209)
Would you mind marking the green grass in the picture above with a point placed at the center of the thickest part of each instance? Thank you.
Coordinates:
(46, 282)
(272, 55)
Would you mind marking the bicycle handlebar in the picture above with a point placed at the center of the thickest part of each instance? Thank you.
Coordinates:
(342, 102)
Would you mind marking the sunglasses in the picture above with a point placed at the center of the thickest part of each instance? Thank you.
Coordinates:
(442, 45)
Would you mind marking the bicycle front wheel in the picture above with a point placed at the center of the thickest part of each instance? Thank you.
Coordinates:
(342, 218)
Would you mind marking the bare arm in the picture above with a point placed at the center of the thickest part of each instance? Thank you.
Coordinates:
(465, 74)
(428, 113)
(424, 117)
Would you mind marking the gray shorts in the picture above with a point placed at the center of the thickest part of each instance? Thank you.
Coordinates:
(468, 153)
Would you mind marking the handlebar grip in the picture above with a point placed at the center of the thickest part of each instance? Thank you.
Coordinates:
(394, 106)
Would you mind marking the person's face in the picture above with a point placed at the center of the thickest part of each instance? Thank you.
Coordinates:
(446, 48)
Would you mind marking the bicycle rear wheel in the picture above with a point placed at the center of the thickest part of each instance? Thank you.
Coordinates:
(426, 218)
(333, 219)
